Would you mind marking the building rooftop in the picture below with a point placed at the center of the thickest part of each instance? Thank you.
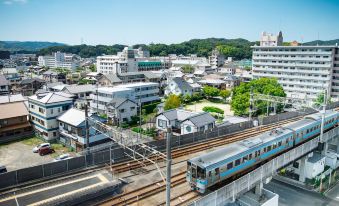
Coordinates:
(3, 80)
(73, 117)
(31, 80)
(315, 158)
(74, 89)
(112, 78)
(11, 98)
(13, 109)
(113, 89)
(138, 84)
(181, 83)
(51, 97)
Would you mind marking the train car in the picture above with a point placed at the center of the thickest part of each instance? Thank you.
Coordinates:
(234, 159)
(209, 169)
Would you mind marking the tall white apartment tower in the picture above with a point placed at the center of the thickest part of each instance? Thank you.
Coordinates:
(303, 71)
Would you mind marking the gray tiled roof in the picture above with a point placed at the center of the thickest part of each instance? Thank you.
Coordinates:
(182, 84)
(49, 72)
(28, 81)
(3, 80)
(201, 119)
(113, 78)
(116, 102)
(74, 89)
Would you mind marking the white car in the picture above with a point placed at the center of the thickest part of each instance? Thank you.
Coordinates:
(62, 157)
(36, 149)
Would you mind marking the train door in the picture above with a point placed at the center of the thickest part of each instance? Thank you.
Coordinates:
(216, 174)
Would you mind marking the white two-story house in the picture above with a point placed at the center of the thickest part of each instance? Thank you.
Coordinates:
(44, 108)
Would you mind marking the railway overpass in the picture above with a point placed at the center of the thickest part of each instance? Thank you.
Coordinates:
(257, 177)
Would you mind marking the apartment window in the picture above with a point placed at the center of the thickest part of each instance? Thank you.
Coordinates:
(32, 106)
(51, 111)
(54, 134)
(41, 110)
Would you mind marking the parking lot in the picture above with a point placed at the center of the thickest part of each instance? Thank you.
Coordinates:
(19, 154)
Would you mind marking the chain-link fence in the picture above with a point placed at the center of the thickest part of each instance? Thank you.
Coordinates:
(229, 192)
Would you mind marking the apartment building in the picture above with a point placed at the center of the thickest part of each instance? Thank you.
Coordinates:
(44, 108)
(60, 60)
(216, 59)
(146, 92)
(303, 71)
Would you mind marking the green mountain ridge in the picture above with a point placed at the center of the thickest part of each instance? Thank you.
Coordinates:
(237, 48)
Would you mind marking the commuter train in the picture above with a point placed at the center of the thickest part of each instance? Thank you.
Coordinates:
(234, 159)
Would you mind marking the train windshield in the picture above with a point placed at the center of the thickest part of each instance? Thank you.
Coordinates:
(201, 173)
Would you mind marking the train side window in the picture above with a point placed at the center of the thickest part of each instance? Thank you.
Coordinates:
(274, 145)
(259, 152)
(269, 148)
(279, 144)
(264, 149)
(209, 173)
(216, 171)
(229, 165)
(237, 162)
(286, 140)
(244, 159)
(250, 156)
(256, 154)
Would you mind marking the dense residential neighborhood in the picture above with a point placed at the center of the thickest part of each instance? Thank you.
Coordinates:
(142, 104)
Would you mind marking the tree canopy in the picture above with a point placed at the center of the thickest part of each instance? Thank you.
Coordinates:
(210, 91)
(225, 93)
(320, 99)
(241, 95)
(187, 69)
(173, 101)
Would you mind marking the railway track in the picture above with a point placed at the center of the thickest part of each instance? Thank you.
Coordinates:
(204, 145)
(188, 196)
(177, 180)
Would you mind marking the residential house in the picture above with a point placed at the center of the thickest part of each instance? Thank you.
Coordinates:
(81, 92)
(44, 108)
(72, 130)
(184, 122)
(14, 122)
(109, 80)
(28, 87)
(12, 75)
(179, 86)
(231, 81)
(52, 76)
(4, 85)
(121, 110)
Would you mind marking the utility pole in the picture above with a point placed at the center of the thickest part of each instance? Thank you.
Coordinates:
(251, 104)
(87, 127)
(323, 117)
(168, 167)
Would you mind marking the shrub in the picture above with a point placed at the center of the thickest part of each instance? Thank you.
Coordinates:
(213, 109)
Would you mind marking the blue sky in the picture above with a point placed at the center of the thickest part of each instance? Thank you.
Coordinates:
(165, 21)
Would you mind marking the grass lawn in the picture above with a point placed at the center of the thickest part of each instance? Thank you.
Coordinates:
(33, 141)
(198, 106)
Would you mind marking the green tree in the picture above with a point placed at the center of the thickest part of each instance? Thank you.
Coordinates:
(172, 102)
(187, 98)
(93, 68)
(320, 99)
(210, 91)
(187, 69)
(241, 95)
(225, 93)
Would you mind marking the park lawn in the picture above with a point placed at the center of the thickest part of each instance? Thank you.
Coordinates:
(32, 141)
(198, 106)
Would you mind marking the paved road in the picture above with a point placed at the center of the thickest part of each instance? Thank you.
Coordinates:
(291, 195)
(334, 193)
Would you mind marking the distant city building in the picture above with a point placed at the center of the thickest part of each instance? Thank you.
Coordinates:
(60, 60)
(4, 85)
(301, 70)
(268, 39)
(216, 59)
(44, 108)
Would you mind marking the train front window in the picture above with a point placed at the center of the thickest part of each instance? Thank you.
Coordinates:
(188, 166)
(201, 173)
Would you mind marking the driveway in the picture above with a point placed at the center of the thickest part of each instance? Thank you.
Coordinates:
(18, 155)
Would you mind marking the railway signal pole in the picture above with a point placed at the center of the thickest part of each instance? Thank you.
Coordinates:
(168, 167)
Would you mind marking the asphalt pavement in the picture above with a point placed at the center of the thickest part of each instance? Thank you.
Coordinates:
(291, 195)
(334, 193)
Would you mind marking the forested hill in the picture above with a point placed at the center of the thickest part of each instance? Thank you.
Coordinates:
(236, 48)
(30, 46)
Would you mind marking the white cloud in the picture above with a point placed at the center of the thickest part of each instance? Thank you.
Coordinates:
(10, 2)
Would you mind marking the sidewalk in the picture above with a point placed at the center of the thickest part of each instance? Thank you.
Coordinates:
(292, 182)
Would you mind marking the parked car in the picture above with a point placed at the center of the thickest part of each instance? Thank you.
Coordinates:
(3, 169)
(45, 151)
(42, 145)
(62, 157)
